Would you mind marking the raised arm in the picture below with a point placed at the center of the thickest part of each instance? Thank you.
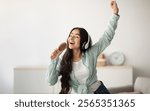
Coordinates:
(109, 33)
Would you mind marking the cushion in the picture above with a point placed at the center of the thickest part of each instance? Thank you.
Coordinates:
(142, 84)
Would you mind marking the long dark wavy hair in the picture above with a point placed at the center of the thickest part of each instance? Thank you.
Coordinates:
(66, 63)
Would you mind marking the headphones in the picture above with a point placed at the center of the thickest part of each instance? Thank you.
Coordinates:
(86, 44)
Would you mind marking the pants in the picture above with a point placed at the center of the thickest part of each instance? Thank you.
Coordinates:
(102, 89)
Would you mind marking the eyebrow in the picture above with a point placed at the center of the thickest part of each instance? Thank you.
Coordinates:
(76, 34)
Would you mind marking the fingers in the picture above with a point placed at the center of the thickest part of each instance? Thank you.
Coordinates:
(58, 50)
(114, 6)
(54, 54)
(113, 3)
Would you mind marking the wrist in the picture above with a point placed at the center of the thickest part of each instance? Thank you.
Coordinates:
(116, 14)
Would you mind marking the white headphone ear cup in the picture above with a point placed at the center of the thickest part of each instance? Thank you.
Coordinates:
(83, 46)
(86, 45)
(88, 42)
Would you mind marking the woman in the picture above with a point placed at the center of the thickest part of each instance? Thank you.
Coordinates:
(78, 64)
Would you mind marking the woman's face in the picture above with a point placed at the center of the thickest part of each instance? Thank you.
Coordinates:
(74, 39)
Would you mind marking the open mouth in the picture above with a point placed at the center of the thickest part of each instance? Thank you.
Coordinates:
(71, 43)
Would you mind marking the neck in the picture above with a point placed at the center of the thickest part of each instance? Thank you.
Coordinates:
(76, 55)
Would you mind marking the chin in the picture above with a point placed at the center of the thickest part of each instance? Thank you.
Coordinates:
(70, 47)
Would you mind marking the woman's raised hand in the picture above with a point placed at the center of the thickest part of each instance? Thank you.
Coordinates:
(114, 7)
(58, 51)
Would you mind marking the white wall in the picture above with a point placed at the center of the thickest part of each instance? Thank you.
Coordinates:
(31, 29)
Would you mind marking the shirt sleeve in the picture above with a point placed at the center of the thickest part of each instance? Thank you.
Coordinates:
(53, 71)
(107, 36)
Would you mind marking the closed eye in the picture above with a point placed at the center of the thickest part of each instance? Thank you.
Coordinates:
(76, 36)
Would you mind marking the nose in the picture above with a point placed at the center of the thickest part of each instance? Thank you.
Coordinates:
(72, 37)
